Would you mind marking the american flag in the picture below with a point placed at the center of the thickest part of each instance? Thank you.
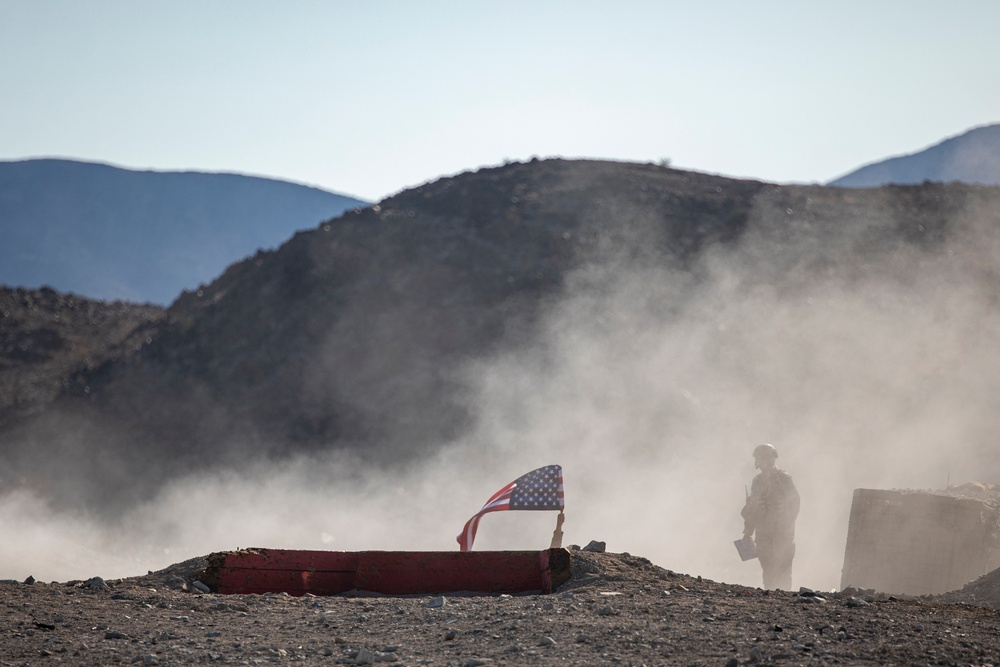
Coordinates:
(540, 489)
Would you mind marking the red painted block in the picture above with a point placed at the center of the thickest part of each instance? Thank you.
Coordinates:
(298, 572)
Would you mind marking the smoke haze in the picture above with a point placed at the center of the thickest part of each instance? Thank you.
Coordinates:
(866, 364)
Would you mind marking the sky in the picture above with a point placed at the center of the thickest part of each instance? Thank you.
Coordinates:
(370, 98)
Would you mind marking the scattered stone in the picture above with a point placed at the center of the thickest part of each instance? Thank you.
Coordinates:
(96, 583)
(595, 547)
(437, 602)
(201, 587)
(386, 657)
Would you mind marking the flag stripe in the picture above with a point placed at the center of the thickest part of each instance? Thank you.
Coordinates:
(540, 489)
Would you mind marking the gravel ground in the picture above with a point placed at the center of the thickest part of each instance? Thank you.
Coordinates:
(617, 609)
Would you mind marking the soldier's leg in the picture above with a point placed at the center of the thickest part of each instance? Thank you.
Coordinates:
(765, 554)
(776, 564)
(783, 557)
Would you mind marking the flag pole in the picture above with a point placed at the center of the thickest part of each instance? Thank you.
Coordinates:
(557, 534)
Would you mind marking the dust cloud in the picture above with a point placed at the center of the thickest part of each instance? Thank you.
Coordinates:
(650, 386)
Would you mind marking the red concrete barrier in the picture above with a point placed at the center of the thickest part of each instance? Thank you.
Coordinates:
(298, 572)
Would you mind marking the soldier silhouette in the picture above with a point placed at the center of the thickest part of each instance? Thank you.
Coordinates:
(769, 518)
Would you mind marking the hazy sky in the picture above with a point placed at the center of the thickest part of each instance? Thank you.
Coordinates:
(368, 98)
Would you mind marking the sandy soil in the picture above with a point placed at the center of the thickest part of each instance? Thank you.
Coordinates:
(617, 609)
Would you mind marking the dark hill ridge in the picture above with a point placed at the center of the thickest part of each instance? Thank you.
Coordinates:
(109, 233)
(355, 335)
(972, 157)
(46, 337)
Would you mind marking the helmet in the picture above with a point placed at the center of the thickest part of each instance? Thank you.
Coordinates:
(765, 450)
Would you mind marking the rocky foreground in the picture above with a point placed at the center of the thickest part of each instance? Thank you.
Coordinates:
(617, 609)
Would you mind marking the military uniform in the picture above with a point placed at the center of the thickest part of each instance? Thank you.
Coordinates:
(769, 515)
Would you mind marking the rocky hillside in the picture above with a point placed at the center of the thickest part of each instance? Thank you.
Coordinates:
(972, 157)
(46, 337)
(104, 232)
(355, 335)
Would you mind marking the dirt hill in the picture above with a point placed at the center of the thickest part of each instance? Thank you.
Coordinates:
(616, 609)
(353, 335)
(46, 337)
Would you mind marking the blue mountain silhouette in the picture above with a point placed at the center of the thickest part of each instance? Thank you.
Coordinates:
(972, 157)
(107, 233)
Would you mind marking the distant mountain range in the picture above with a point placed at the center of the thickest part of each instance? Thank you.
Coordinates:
(109, 233)
(972, 157)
